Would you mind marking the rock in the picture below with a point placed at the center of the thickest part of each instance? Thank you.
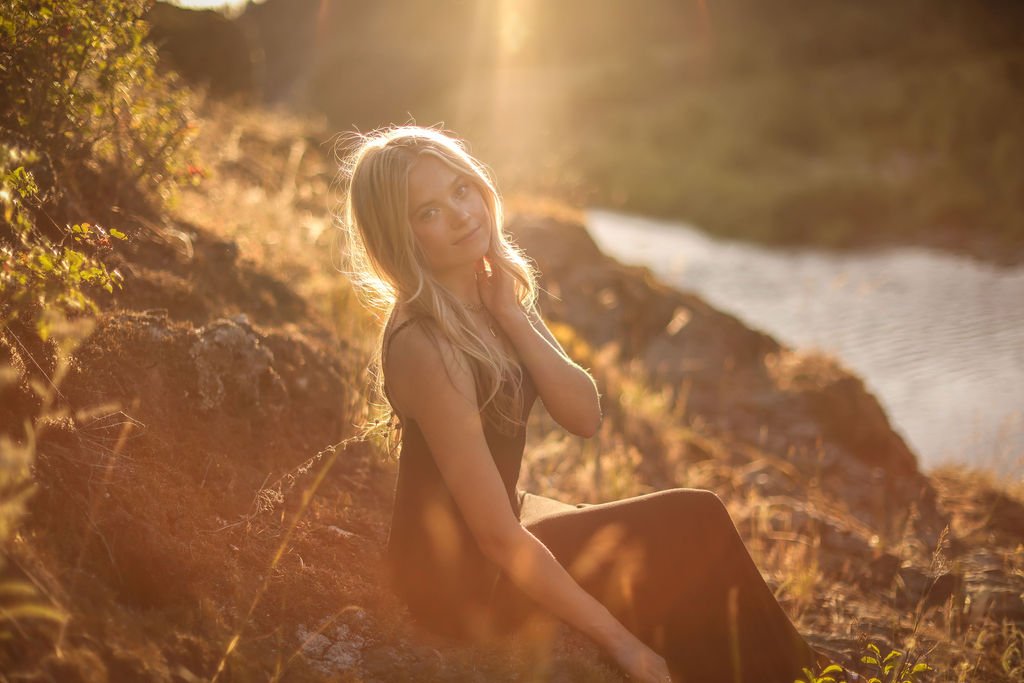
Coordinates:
(917, 587)
(846, 412)
(234, 370)
(994, 602)
(330, 655)
(992, 591)
(313, 645)
(340, 656)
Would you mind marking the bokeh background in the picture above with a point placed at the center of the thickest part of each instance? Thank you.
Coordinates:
(829, 122)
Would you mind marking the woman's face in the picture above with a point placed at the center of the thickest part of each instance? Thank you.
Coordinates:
(448, 215)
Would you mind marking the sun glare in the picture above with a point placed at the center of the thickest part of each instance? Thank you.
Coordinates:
(230, 6)
(512, 26)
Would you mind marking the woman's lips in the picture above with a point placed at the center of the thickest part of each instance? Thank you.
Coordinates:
(467, 235)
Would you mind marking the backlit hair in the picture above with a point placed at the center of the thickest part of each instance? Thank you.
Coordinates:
(388, 267)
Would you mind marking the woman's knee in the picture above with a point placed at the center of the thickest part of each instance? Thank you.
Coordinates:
(698, 504)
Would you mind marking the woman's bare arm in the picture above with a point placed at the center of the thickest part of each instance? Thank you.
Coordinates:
(567, 390)
(435, 388)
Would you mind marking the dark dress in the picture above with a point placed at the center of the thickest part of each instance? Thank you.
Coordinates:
(669, 565)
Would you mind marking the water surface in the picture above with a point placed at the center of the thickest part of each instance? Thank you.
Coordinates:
(938, 338)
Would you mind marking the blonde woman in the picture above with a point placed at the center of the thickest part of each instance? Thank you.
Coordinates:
(662, 582)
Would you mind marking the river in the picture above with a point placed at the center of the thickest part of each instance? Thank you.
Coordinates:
(938, 338)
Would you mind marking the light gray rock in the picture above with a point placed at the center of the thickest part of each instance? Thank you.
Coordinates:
(340, 651)
(235, 371)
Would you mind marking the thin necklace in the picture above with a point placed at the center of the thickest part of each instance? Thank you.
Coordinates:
(480, 307)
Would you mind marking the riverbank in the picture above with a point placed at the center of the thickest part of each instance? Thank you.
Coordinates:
(190, 517)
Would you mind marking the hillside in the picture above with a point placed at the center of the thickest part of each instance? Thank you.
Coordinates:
(202, 511)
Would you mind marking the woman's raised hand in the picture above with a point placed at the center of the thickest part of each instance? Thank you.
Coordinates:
(497, 291)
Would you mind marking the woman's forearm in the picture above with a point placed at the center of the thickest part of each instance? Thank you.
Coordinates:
(536, 572)
(567, 390)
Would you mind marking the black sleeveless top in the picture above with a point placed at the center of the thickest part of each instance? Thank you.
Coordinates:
(435, 564)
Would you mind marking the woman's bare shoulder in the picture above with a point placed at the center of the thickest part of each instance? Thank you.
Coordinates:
(420, 361)
(407, 333)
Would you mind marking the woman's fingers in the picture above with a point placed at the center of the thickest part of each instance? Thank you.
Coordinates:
(485, 265)
(641, 663)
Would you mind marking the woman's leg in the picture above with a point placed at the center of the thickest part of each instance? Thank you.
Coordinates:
(672, 567)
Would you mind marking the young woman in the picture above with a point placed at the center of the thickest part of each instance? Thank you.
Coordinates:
(662, 582)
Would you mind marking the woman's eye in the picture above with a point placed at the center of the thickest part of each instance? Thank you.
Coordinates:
(461, 190)
(428, 214)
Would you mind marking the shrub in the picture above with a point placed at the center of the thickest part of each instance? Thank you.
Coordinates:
(88, 126)
(82, 88)
(36, 272)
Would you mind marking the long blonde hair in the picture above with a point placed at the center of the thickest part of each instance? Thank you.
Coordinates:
(388, 267)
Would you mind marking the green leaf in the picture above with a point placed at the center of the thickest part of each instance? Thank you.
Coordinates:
(874, 648)
(921, 666)
(832, 669)
(45, 261)
(869, 660)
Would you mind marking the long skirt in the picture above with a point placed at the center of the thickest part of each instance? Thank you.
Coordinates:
(673, 569)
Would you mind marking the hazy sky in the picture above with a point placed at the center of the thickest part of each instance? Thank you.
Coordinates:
(205, 4)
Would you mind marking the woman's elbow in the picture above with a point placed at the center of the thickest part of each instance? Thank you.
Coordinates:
(500, 546)
(587, 425)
